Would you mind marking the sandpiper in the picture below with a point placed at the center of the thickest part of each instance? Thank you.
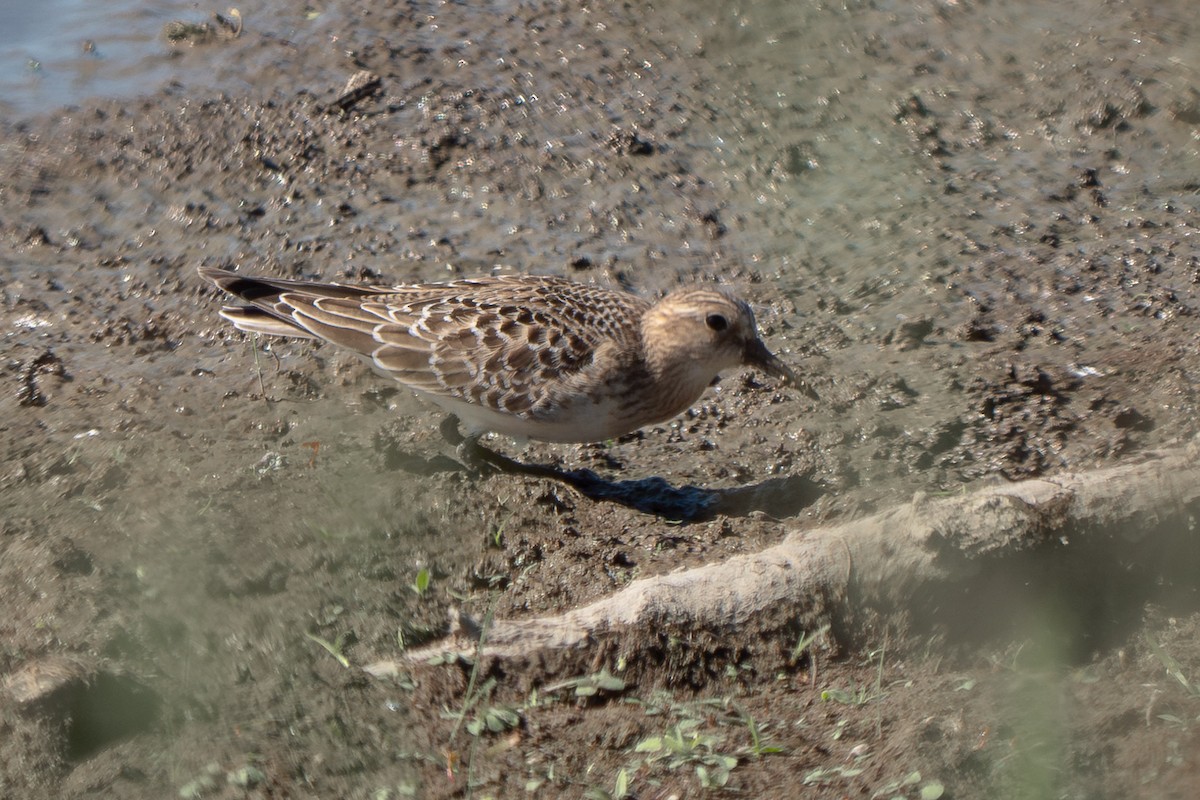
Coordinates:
(528, 356)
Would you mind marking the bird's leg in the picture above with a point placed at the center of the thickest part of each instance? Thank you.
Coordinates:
(470, 453)
(474, 456)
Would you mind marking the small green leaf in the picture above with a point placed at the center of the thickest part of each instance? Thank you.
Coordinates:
(499, 719)
(333, 649)
(609, 682)
(247, 777)
(621, 790)
(654, 744)
(421, 584)
(932, 791)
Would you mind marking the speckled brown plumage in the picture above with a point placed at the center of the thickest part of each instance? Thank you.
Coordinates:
(529, 356)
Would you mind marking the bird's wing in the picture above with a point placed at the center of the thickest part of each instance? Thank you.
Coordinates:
(500, 342)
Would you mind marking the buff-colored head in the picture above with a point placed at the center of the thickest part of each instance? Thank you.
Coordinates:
(696, 333)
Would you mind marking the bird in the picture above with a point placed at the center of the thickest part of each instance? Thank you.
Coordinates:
(527, 356)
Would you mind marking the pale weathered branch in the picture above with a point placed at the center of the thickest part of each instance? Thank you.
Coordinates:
(879, 561)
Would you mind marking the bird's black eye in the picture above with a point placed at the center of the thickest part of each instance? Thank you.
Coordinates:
(717, 322)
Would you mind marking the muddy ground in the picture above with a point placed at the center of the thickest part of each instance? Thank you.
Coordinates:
(973, 228)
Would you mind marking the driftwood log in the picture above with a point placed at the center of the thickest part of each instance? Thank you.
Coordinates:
(889, 560)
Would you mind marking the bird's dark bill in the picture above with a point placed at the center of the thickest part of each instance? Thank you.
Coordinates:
(758, 355)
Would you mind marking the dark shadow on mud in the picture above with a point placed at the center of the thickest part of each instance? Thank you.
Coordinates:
(777, 497)
(1071, 597)
(91, 710)
(106, 710)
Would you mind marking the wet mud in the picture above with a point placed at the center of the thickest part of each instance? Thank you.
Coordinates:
(976, 240)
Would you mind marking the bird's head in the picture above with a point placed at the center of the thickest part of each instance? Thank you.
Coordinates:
(699, 332)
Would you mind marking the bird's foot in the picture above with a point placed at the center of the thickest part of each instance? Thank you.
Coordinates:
(477, 459)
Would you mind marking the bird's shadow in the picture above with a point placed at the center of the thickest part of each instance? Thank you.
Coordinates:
(776, 497)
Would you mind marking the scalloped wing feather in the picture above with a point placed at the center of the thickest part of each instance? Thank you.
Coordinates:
(503, 342)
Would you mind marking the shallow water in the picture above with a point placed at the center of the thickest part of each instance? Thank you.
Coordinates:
(61, 52)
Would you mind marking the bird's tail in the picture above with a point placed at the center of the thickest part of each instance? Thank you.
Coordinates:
(264, 312)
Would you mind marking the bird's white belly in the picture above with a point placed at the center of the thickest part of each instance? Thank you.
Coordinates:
(587, 422)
